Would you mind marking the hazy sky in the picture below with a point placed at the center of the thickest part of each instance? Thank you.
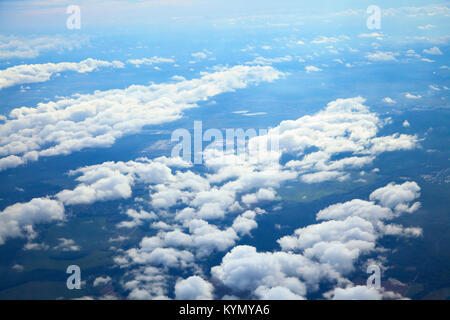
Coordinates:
(36, 16)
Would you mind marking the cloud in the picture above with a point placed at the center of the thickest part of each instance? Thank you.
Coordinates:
(33, 73)
(309, 69)
(187, 231)
(412, 53)
(167, 257)
(98, 119)
(36, 246)
(325, 39)
(201, 237)
(112, 187)
(262, 195)
(252, 114)
(392, 143)
(337, 243)
(19, 219)
(411, 96)
(243, 268)
(434, 40)
(389, 100)
(249, 114)
(10, 162)
(193, 288)
(377, 35)
(426, 27)
(382, 56)
(244, 223)
(360, 208)
(276, 293)
(351, 229)
(67, 245)
(199, 55)
(147, 283)
(355, 293)
(352, 292)
(101, 281)
(434, 88)
(325, 252)
(406, 124)
(186, 205)
(344, 126)
(269, 61)
(433, 51)
(397, 197)
(118, 239)
(13, 47)
(149, 61)
(428, 10)
(114, 180)
(18, 268)
(138, 218)
(324, 176)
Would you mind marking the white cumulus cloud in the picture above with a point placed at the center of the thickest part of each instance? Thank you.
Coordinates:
(19, 219)
(193, 288)
(433, 51)
(97, 120)
(33, 73)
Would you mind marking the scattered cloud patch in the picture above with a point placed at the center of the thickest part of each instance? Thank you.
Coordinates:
(389, 100)
(235, 189)
(199, 55)
(18, 220)
(382, 56)
(426, 27)
(411, 96)
(33, 73)
(325, 39)
(377, 35)
(193, 288)
(269, 61)
(67, 245)
(150, 61)
(97, 120)
(435, 88)
(309, 69)
(325, 252)
(433, 51)
(18, 268)
(13, 47)
(101, 281)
